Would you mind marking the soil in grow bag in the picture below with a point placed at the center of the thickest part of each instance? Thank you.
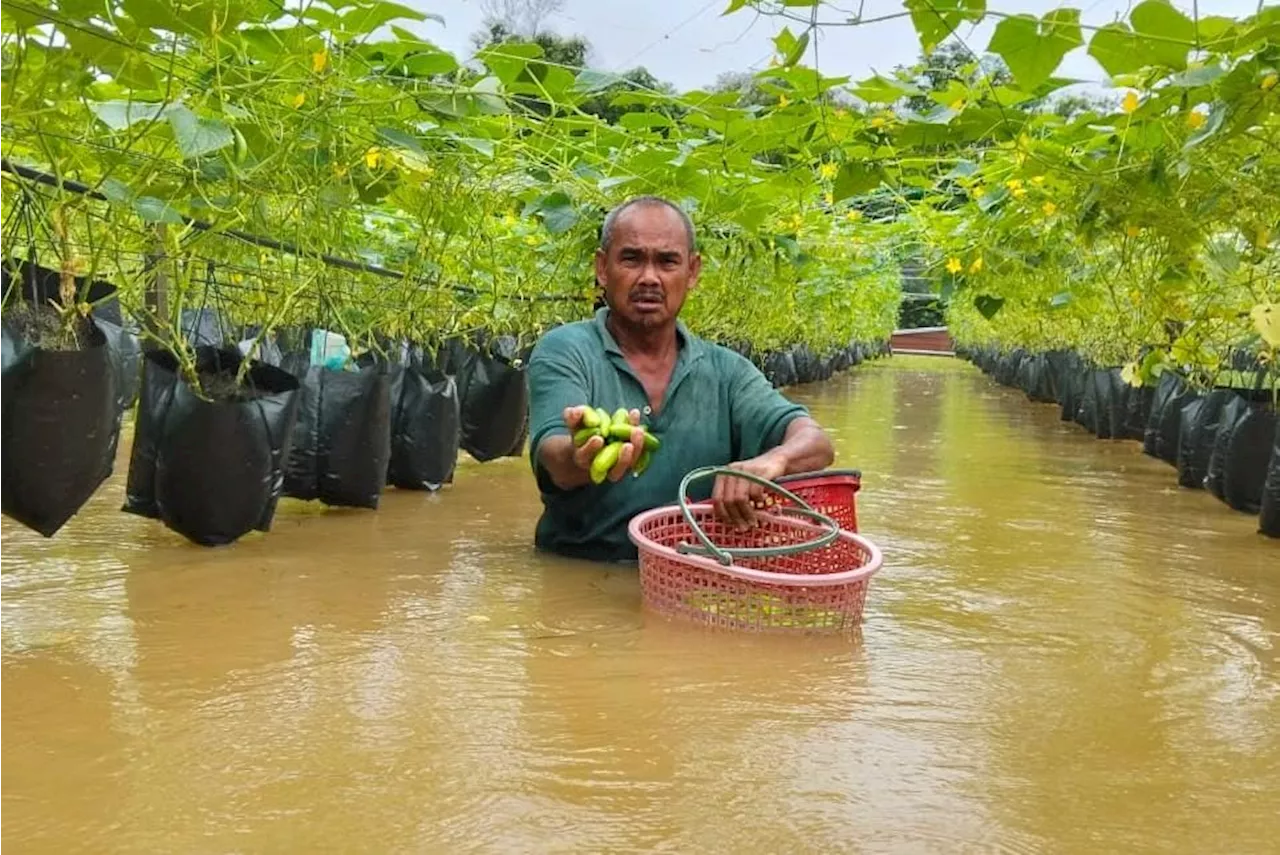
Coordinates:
(425, 425)
(60, 415)
(1269, 516)
(1200, 418)
(494, 398)
(342, 440)
(211, 468)
(1241, 454)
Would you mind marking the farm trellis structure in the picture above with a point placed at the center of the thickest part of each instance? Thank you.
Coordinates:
(335, 169)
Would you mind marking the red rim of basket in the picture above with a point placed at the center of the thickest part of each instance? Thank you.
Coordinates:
(806, 580)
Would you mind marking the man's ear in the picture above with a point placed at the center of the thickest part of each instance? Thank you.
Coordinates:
(695, 269)
(600, 260)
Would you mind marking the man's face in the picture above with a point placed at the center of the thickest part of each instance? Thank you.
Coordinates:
(648, 269)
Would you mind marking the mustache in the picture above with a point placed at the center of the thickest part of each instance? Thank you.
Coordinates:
(646, 291)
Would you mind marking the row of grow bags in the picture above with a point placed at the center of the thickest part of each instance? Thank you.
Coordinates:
(1224, 440)
(798, 364)
(212, 466)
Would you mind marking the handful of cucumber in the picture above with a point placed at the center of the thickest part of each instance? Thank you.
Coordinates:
(615, 431)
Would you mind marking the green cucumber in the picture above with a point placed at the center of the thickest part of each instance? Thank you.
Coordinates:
(604, 461)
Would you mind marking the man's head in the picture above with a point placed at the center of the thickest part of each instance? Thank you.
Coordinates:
(647, 262)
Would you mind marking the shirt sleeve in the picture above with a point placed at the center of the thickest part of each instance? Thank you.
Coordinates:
(556, 381)
(760, 413)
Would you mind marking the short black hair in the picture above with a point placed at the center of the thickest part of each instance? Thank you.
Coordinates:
(611, 219)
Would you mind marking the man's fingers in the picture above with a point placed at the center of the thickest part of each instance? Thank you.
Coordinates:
(573, 417)
(634, 416)
(624, 461)
(717, 499)
(584, 455)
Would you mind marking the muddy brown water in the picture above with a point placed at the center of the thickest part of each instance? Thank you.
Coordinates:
(1064, 653)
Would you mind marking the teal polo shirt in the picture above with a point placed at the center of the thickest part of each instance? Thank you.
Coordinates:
(718, 409)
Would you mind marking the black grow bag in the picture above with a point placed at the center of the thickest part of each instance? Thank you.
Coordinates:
(1269, 516)
(779, 367)
(1111, 396)
(1161, 437)
(1138, 411)
(1241, 453)
(494, 399)
(342, 439)
(210, 470)
(426, 420)
(1200, 417)
(61, 423)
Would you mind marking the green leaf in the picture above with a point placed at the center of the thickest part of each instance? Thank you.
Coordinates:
(644, 121)
(119, 115)
(790, 48)
(595, 81)
(881, 90)
(367, 18)
(1194, 78)
(1159, 21)
(429, 64)
(963, 169)
(988, 306)
(198, 137)
(934, 20)
(734, 5)
(1062, 298)
(155, 210)
(856, 178)
(116, 191)
(606, 184)
(483, 146)
(1033, 49)
(400, 138)
(988, 201)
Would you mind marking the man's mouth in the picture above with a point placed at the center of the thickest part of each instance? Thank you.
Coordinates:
(648, 300)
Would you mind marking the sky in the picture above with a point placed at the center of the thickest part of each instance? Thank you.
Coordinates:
(689, 42)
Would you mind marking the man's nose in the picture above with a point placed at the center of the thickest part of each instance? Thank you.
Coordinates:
(649, 275)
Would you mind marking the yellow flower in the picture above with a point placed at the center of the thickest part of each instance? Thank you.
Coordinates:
(828, 170)
(1133, 231)
(1038, 180)
(319, 60)
(1269, 82)
(976, 266)
(299, 100)
(853, 216)
(1014, 184)
(1049, 209)
(531, 240)
(509, 219)
(842, 113)
(879, 122)
(1131, 374)
(373, 157)
(783, 101)
(954, 265)
(1195, 119)
(1130, 102)
(829, 198)
(1266, 320)
(957, 104)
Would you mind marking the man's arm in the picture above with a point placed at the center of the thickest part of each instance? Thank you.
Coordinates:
(774, 438)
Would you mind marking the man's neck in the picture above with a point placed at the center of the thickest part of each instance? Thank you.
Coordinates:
(657, 343)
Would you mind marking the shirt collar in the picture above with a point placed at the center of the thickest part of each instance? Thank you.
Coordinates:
(689, 346)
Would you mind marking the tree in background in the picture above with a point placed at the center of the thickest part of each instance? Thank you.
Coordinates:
(519, 17)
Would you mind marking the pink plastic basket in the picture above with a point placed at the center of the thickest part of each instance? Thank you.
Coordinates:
(832, 492)
(818, 584)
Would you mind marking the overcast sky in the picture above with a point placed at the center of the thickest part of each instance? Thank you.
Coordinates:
(689, 42)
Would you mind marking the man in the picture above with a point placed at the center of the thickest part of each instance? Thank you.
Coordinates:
(707, 404)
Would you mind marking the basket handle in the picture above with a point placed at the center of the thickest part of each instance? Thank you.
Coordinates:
(725, 555)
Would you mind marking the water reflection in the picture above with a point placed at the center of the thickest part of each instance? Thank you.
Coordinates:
(1062, 653)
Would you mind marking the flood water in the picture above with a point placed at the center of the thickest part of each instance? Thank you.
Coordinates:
(1063, 653)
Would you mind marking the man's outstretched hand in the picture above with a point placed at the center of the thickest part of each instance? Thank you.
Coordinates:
(582, 456)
